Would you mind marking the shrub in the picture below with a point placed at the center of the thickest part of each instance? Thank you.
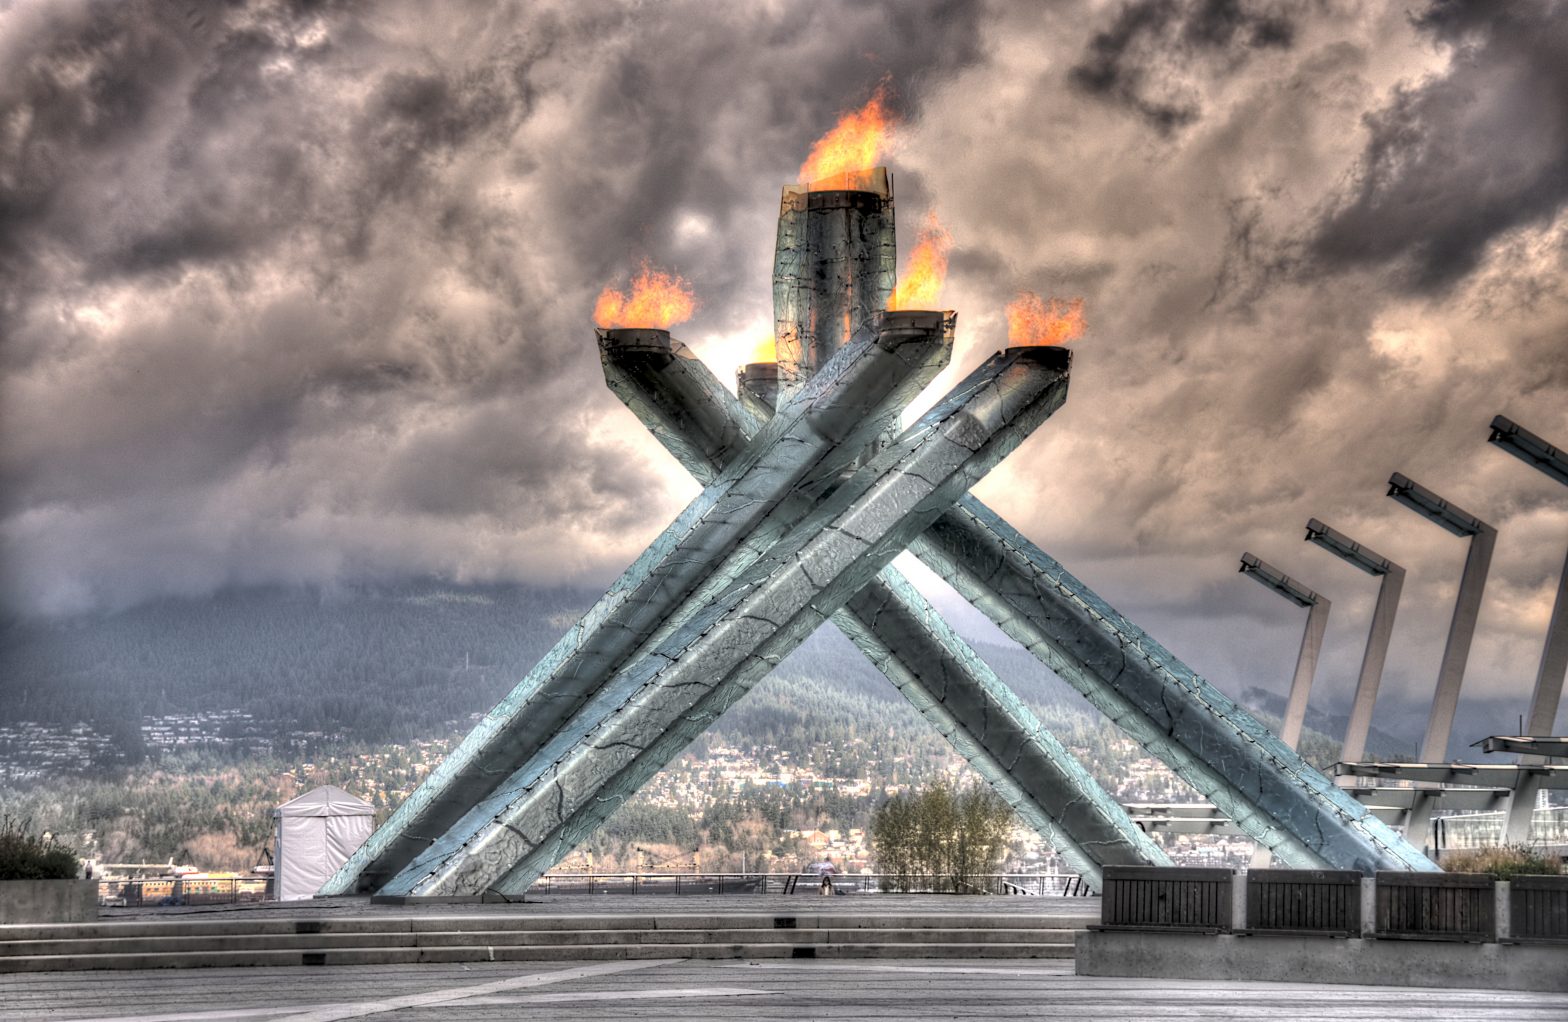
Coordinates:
(940, 839)
(1503, 862)
(25, 856)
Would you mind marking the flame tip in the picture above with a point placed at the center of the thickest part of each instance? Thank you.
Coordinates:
(1032, 320)
(658, 300)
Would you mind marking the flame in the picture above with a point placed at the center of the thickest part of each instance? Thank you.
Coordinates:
(854, 142)
(1033, 321)
(658, 300)
(926, 270)
(765, 350)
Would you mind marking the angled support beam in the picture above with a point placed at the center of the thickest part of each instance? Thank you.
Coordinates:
(905, 638)
(668, 697)
(1272, 794)
(1372, 661)
(1204, 737)
(776, 479)
(1311, 641)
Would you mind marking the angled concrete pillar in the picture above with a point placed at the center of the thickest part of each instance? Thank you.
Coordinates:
(904, 637)
(668, 697)
(1372, 661)
(1467, 607)
(765, 490)
(1306, 658)
(1547, 695)
(1266, 788)
(1311, 641)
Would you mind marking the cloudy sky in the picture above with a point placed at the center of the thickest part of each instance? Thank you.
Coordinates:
(300, 291)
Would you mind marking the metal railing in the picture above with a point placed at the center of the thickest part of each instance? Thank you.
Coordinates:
(155, 891)
(1026, 884)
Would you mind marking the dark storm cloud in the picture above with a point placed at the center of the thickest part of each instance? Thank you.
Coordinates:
(1467, 154)
(290, 291)
(1133, 63)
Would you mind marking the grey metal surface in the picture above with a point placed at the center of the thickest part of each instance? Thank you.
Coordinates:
(1271, 793)
(1177, 700)
(941, 676)
(665, 699)
(1373, 659)
(833, 270)
(764, 491)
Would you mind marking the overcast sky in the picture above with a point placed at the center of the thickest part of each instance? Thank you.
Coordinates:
(300, 292)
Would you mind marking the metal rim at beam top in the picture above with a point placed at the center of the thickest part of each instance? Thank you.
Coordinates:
(1280, 582)
(1434, 508)
(1529, 448)
(1347, 549)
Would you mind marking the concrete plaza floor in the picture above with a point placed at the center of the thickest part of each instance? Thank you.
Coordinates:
(692, 991)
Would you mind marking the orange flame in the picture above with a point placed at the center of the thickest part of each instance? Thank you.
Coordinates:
(1033, 321)
(926, 271)
(658, 300)
(766, 350)
(854, 142)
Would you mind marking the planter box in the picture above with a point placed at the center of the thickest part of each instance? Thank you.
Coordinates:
(1303, 901)
(1194, 900)
(1436, 906)
(48, 901)
(1538, 909)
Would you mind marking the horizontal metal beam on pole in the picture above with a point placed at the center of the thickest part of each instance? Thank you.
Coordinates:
(1386, 797)
(1528, 447)
(1342, 546)
(1434, 508)
(1493, 775)
(1278, 581)
(1529, 745)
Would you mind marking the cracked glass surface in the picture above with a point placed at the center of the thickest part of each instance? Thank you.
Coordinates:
(908, 642)
(668, 697)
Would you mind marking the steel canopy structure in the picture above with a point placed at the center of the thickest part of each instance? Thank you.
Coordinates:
(810, 490)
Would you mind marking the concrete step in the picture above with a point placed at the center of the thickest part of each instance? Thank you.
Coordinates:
(249, 923)
(513, 953)
(159, 943)
(251, 938)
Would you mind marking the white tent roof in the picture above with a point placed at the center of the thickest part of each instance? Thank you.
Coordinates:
(327, 800)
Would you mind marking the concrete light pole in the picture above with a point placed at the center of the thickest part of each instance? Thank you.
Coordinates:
(1528, 447)
(1451, 673)
(1340, 545)
(1311, 640)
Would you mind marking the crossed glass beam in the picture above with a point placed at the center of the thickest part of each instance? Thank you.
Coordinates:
(800, 517)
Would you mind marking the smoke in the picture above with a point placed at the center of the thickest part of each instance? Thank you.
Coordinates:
(301, 292)
(1150, 56)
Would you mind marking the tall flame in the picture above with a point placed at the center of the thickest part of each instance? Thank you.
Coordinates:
(854, 142)
(1031, 320)
(926, 270)
(658, 300)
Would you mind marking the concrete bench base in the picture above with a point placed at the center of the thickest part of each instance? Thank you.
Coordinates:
(48, 901)
(1292, 959)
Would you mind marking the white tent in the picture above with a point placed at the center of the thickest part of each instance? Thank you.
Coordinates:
(315, 834)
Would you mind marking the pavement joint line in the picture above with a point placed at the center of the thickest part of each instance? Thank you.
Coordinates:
(622, 995)
(359, 1009)
(871, 965)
